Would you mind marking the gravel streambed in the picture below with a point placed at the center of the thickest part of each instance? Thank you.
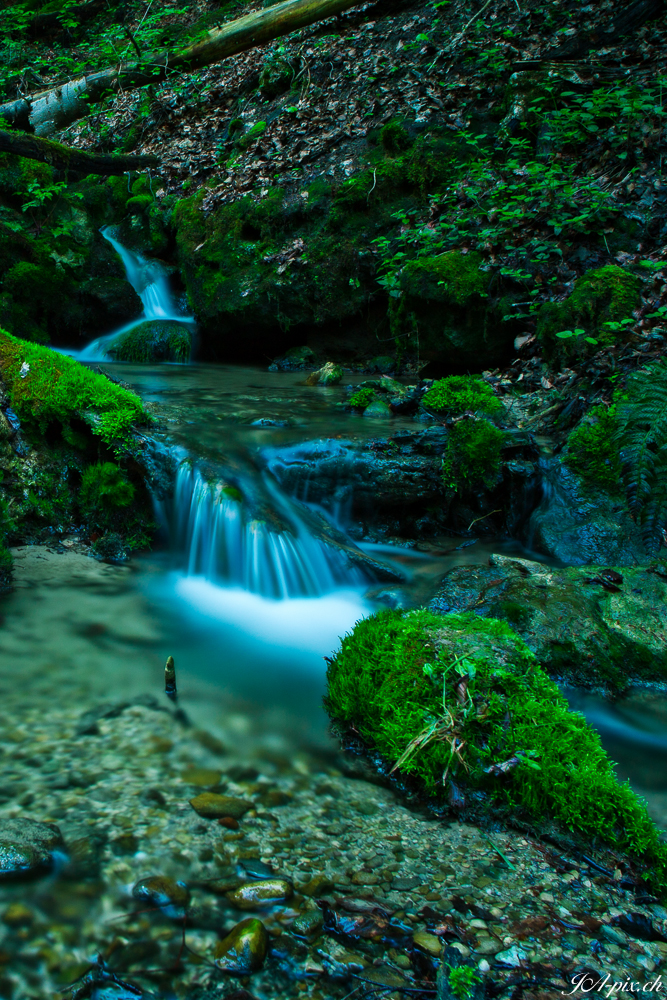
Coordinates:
(203, 859)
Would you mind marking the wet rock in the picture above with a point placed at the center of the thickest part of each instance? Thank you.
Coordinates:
(203, 777)
(260, 894)
(429, 942)
(28, 847)
(254, 868)
(378, 410)
(127, 843)
(329, 374)
(318, 885)
(384, 975)
(244, 949)
(579, 624)
(308, 925)
(513, 956)
(296, 359)
(580, 524)
(163, 893)
(154, 340)
(210, 805)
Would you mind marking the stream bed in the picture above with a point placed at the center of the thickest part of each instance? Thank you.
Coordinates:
(91, 744)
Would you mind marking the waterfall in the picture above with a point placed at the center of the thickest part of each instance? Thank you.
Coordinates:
(216, 538)
(150, 282)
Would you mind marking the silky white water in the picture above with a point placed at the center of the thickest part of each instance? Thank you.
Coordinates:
(151, 284)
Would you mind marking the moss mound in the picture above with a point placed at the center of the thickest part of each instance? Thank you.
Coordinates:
(592, 449)
(154, 340)
(458, 393)
(45, 386)
(601, 299)
(472, 455)
(461, 705)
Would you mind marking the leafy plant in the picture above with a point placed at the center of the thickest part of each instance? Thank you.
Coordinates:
(641, 410)
(462, 981)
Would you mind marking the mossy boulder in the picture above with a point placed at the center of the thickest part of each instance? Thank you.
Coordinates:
(592, 626)
(606, 295)
(154, 340)
(457, 394)
(592, 451)
(460, 707)
(446, 298)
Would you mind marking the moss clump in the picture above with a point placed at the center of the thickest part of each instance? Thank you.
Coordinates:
(604, 296)
(154, 340)
(452, 277)
(460, 705)
(472, 455)
(362, 398)
(592, 451)
(45, 386)
(394, 138)
(104, 487)
(461, 394)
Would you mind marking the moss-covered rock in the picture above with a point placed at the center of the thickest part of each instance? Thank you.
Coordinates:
(472, 455)
(446, 297)
(328, 374)
(153, 340)
(606, 295)
(457, 394)
(592, 451)
(592, 626)
(460, 706)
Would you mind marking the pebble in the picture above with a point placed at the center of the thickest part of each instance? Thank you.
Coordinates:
(254, 868)
(210, 805)
(259, 894)
(27, 846)
(244, 949)
(172, 897)
(429, 942)
(513, 957)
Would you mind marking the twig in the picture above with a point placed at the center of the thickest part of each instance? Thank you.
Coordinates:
(374, 183)
(484, 516)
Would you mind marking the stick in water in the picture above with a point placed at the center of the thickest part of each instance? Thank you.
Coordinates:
(170, 679)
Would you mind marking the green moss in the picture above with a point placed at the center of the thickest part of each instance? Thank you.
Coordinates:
(606, 295)
(252, 135)
(362, 398)
(45, 386)
(462, 981)
(472, 455)
(451, 277)
(592, 451)
(394, 138)
(460, 705)
(460, 394)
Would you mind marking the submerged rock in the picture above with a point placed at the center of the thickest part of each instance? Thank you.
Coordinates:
(244, 949)
(28, 847)
(210, 805)
(591, 625)
(172, 897)
(259, 894)
(378, 410)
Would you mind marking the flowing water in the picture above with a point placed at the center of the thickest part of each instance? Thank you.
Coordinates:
(151, 283)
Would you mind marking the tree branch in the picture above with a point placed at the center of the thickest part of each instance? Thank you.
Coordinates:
(63, 158)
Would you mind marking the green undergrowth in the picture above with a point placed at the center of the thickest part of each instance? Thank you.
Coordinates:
(45, 386)
(460, 706)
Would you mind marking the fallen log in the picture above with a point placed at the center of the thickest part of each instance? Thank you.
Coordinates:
(46, 112)
(63, 158)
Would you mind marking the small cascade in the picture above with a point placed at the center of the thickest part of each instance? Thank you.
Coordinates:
(215, 538)
(150, 283)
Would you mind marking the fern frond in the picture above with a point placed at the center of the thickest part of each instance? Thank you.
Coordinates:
(642, 439)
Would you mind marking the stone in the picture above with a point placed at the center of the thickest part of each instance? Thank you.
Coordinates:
(428, 942)
(364, 878)
(318, 886)
(202, 776)
(384, 975)
(255, 868)
(153, 340)
(210, 805)
(513, 956)
(260, 894)
(28, 847)
(328, 374)
(487, 945)
(308, 925)
(163, 893)
(378, 410)
(244, 949)
(406, 884)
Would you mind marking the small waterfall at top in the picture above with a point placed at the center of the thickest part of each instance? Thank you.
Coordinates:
(216, 537)
(149, 281)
